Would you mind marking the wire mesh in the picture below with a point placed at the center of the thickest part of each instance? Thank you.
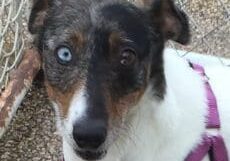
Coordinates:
(12, 37)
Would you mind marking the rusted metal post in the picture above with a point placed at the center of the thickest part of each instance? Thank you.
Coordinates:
(20, 81)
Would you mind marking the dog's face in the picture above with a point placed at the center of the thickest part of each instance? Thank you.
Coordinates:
(98, 59)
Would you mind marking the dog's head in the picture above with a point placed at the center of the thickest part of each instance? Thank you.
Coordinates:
(99, 56)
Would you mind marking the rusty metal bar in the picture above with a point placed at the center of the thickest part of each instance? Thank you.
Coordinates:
(19, 83)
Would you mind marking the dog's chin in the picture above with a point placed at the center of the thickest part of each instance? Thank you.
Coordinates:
(91, 155)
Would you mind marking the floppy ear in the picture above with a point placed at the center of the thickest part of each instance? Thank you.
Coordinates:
(172, 21)
(38, 15)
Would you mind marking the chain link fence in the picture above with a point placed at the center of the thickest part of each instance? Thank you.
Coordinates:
(13, 15)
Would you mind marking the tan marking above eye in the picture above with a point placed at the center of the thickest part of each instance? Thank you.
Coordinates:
(115, 42)
(143, 3)
(114, 39)
(124, 55)
(77, 40)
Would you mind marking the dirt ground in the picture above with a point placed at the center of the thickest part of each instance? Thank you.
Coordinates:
(32, 136)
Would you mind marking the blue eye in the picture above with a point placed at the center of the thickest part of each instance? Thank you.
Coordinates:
(64, 55)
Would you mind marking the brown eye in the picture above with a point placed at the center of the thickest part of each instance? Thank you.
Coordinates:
(128, 56)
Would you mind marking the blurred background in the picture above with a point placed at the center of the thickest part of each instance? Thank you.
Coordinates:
(32, 134)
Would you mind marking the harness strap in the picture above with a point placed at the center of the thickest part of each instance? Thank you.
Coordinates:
(213, 120)
(212, 145)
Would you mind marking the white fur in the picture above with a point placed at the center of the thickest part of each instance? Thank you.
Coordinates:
(202, 59)
(168, 130)
(69, 153)
(77, 111)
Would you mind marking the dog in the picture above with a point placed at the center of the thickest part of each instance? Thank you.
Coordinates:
(118, 95)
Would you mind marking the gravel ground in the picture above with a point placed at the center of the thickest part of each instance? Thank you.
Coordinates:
(32, 135)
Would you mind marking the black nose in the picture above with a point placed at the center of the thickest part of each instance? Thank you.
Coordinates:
(89, 135)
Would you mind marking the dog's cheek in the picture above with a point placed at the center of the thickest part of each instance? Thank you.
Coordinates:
(119, 109)
(62, 99)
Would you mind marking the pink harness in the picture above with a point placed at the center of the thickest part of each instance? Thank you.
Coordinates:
(214, 146)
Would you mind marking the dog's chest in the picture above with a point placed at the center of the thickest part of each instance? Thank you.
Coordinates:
(159, 137)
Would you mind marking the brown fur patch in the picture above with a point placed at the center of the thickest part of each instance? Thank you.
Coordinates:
(63, 99)
(41, 6)
(39, 21)
(114, 39)
(114, 43)
(147, 2)
(78, 40)
(143, 3)
(118, 109)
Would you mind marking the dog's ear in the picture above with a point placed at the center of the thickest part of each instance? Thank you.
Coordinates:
(172, 21)
(38, 15)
